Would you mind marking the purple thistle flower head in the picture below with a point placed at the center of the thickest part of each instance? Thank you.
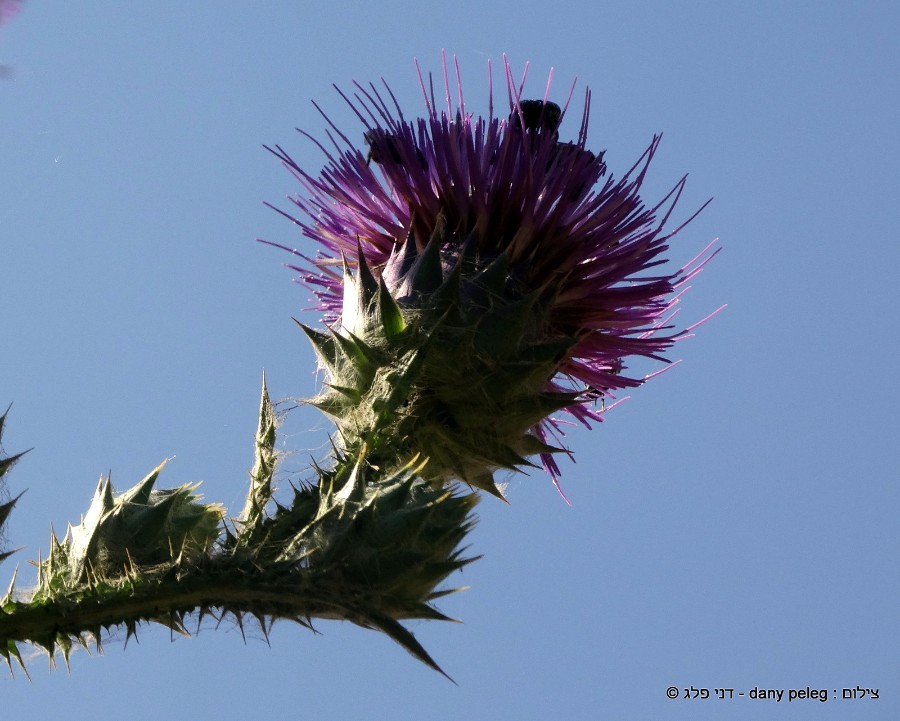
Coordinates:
(572, 238)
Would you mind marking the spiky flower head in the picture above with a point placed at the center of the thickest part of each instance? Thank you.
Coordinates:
(499, 261)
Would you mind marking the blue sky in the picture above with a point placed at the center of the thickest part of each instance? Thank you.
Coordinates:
(734, 524)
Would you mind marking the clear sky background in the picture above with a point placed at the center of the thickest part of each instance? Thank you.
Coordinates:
(734, 524)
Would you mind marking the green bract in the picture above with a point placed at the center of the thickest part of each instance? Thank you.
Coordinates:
(448, 364)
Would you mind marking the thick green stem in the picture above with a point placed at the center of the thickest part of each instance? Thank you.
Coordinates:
(170, 598)
(175, 594)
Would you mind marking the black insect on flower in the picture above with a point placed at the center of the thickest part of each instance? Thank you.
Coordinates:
(538, 116)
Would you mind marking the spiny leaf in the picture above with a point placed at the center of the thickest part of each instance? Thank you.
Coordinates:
(6, 509)
(8, 597)
(402, 636)
(11, 650)
(261, 477)
(7, 463)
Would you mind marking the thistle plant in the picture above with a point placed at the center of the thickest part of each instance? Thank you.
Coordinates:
(477, 277)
